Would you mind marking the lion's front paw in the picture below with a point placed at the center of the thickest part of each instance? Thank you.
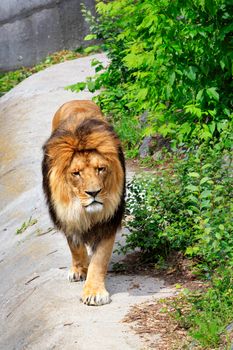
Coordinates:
(98, 296)
(76, 274)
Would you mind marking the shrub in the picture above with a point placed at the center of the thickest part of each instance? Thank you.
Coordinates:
(208, 313)
(187, 207)
(170, 58)
(173, 60)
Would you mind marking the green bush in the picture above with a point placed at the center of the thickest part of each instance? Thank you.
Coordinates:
(208, 313)
(187, 207)
(170, 58)
(173, 60)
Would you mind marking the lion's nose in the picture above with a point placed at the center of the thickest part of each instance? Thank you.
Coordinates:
(93, 193)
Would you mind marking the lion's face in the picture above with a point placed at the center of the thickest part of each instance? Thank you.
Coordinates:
(87, 190)
(88, 177)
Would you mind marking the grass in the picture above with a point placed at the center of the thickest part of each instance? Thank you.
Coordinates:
(199, 317)
(206, 314)
(25, 225)
(11, 79)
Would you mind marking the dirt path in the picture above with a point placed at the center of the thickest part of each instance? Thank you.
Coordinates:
(40, 309)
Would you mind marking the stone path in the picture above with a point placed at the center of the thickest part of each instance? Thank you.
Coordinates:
(40, 309)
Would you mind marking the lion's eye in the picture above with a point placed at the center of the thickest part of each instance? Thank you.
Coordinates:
(101, 169)
(76, 173)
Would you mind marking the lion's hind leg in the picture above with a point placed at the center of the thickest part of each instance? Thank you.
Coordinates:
(94, 291)
(78, 270)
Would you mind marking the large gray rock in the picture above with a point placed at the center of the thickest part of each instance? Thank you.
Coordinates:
(30, 30)
(144, 150)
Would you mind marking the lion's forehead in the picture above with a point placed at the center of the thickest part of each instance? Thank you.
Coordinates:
(87, 160)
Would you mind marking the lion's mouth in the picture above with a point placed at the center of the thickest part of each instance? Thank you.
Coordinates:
(95, 202)
(94, 206)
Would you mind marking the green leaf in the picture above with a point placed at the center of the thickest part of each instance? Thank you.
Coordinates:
(222, 64)
(204, 133)
(194, 209)
(90, 37)
(131, 60)
(204, 180)
(221, 125)
(192, 250)
(192, 198)
(91, 86)
(194, 110)
(95, 62)
(172, 78)
(212, 127)
(205, 204)
(193, 174)
(191, 73)
(166, 129)
(92, 48)
(192, 188)
(199, 97)
(212, 93)
(207, 230)
(205, 194)
(77, 87)
(218, 235)
(206, 166)
(142, 93)
(185, 129)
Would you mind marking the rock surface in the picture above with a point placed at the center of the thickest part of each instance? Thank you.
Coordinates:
(40, 309)
(30, 30)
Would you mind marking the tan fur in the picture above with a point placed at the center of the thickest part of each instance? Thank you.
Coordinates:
(78, 270)
(81, 109)
(80, 165)
(94, 291)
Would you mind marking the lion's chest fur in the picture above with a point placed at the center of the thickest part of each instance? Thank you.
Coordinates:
(76, 220)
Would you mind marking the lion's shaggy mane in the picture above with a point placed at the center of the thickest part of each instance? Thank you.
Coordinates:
(70, 137)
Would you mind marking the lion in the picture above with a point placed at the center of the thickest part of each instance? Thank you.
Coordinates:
(84, 184)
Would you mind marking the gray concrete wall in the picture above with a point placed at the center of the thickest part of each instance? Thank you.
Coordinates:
(32, 29)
